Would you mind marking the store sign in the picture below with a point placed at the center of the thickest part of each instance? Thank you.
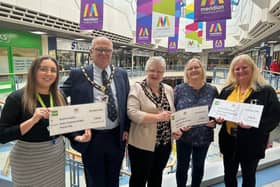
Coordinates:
(80, 46)
(4, 38)
(72, 45)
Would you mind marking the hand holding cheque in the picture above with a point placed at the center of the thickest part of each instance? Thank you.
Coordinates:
(189, 117)
(243, 113)
(65, 119)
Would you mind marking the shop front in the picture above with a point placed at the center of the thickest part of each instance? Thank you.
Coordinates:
(69, 53)
(17, 51)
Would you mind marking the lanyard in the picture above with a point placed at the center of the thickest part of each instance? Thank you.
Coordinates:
(39, 98)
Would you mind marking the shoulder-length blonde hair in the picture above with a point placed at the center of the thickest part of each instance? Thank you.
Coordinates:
(186, 78)
(256, 79)
(29, 100)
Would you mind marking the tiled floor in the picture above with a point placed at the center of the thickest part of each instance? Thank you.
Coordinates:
(214, 167)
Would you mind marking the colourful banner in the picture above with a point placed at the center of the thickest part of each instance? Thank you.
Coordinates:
(193, 30)
(144, 21)
(91, 15)
(210, 10)
(216, 30)
(218, 44)
(163, 24)
(173, 41)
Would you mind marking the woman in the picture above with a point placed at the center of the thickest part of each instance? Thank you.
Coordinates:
(37, 159)
(150, 104)
(195, 141)
(240, 143)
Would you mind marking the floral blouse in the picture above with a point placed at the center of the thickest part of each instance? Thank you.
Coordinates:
(186, 96)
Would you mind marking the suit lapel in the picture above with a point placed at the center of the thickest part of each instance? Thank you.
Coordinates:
(118, 85)
(89, 71)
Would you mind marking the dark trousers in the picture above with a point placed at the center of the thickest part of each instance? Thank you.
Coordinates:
(102, 161)
(147, 166)
(184, 153)
(248, 169)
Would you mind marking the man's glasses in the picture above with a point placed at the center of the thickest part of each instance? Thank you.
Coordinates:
(46, 69)
(103, 50)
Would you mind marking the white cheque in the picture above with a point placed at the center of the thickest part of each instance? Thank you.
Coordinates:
(65, 119)
(249, 114)
(189, 117)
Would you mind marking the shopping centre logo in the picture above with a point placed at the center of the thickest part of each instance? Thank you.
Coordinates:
(218, 43)
(215, 28)
(143, 32)
(90, 10)
(191, 43)
(172, 44)
(163, 21)
(205, 3)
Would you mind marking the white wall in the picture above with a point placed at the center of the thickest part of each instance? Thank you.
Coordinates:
(118, 14)
(120, 17)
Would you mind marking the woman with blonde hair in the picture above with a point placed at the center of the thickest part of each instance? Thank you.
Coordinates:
(240, 143)
(195, 141)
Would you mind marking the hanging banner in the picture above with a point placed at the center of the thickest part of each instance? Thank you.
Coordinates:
(163, 24)
(173, 44)
(210, 10)
(144, 21)
(173, 41)
(193, 30)
(218, 44)
(193, 34)
(91, 15)
(216, 30)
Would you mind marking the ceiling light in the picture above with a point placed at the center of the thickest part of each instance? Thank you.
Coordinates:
(38, 32)
(80, 39)
(123, 46)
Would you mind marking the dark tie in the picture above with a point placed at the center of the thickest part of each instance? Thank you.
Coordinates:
(111, 106)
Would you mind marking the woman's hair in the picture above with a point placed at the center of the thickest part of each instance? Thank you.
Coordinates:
(156, 59)
(29, 100)
(186, 78)
(256, 79)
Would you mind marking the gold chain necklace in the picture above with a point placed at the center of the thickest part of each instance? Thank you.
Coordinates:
(159, 105)
(102, 88)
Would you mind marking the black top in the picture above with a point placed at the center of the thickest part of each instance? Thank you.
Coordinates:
(251, 143)
(13, 115)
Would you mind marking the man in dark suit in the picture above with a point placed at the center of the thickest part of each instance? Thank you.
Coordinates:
(103, 155)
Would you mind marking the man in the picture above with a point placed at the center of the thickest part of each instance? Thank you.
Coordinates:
(103, 155)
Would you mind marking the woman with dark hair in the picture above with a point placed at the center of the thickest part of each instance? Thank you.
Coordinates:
(37, 159)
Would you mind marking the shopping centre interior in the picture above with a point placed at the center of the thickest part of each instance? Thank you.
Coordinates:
(30, 28)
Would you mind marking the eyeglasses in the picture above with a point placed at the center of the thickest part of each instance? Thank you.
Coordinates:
(239, 69)
(154, 71)
(193, 68)
(46, 69)
(103, 50)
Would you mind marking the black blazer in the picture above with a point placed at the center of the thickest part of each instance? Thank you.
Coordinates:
(251, 143)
